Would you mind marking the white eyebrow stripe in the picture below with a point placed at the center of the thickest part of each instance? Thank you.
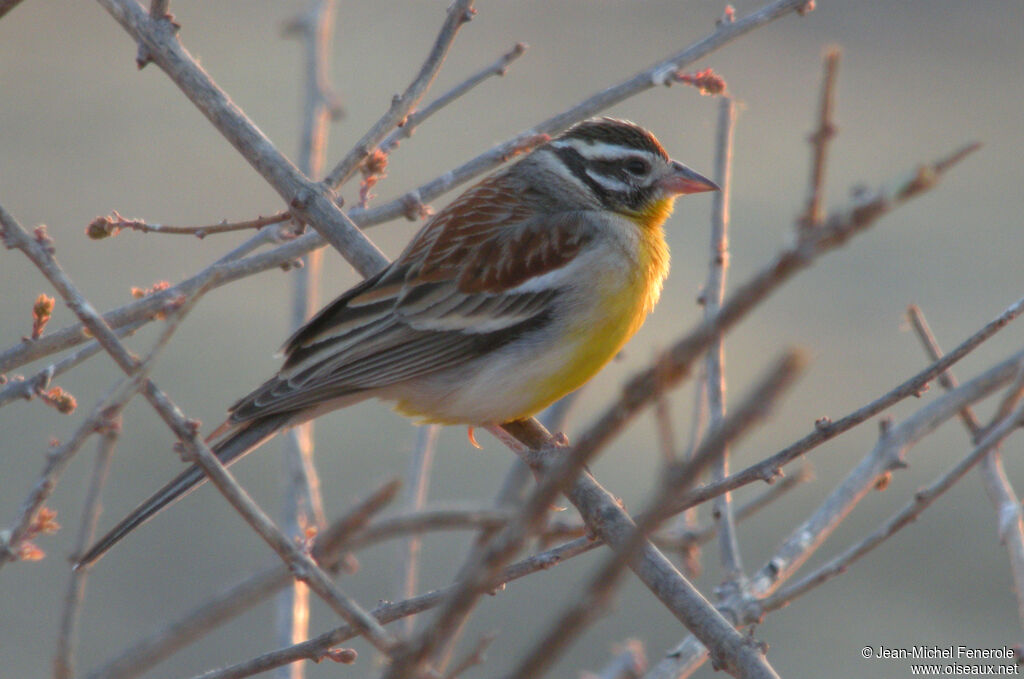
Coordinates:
(593, 150)
(610, 183)
(602, 150)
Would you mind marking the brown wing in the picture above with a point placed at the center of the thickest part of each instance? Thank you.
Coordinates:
(447, 299)
(491, 239)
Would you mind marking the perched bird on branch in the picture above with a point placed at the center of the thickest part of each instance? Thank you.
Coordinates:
(517, 293)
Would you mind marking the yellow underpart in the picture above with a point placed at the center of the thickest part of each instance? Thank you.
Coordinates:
(655, 213)
(595, 340)
(623, 312)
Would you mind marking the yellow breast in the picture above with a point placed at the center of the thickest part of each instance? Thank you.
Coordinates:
(606, 310)
(595, 338)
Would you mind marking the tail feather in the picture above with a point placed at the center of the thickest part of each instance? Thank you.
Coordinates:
(227, 451)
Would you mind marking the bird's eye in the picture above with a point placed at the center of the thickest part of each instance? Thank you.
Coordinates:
(637, 167)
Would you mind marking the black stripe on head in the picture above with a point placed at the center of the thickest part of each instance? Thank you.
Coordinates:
(632, 196)
(617, 132)
(577, 164)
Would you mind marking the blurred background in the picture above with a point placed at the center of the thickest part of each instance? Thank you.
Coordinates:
(82, 132)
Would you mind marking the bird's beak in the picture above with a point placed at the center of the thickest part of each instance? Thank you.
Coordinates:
(684, 180)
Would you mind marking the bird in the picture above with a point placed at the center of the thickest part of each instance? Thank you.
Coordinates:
(514, 295)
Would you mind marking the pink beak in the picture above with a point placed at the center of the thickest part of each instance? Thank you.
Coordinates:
(685, 180)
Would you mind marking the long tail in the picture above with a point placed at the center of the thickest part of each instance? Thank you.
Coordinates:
(227, 451)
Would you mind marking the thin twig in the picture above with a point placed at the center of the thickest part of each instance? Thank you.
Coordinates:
(629, 663)
(312, 202)
(994, 435)
(945, 378)
(820, 139)
(825, 429)
(28, 388)
(687, 538)
(38, 251)
(415, 118)
(302, 503)
(1009, 520)
(477, 656)
(714, 293)
(688, 520)
(459, 12)
(228, 268)
(510, 495)
(664, 428)
(63, 660)
(887, 455)
(479, 576)
(809, 535)
(58, 459)
(416, 488)
(242, 596)
(1010, 523)
(104, 227)
(301, 564)
(659, 74)
(315, 648)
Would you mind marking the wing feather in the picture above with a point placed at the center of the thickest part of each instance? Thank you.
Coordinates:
(454, 294)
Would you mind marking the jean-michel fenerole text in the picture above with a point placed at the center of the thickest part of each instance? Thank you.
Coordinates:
(946, 652)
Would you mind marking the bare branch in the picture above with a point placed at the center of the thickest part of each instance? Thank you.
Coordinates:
(631, 548)
(312, 202)
(1010, 522)
(418, 485)
(303, 505)
(807, 537)
(105, 227)
(244, 595)
(459, 12)
(301, 564)
(479, 576)
(945, 378)
(714, 293)
(820, 139)
(63, 660)
(387, 612)
(993, 436)
(825, 429)
(415, 118)
(475, 657)
(39, 250)
(30, 387)
(659, 74)
(688, 520)
(240, 597)
(629, 663)
(685, 538)
(886, 456)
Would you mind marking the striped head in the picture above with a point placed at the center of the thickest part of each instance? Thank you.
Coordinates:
(622, 167)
